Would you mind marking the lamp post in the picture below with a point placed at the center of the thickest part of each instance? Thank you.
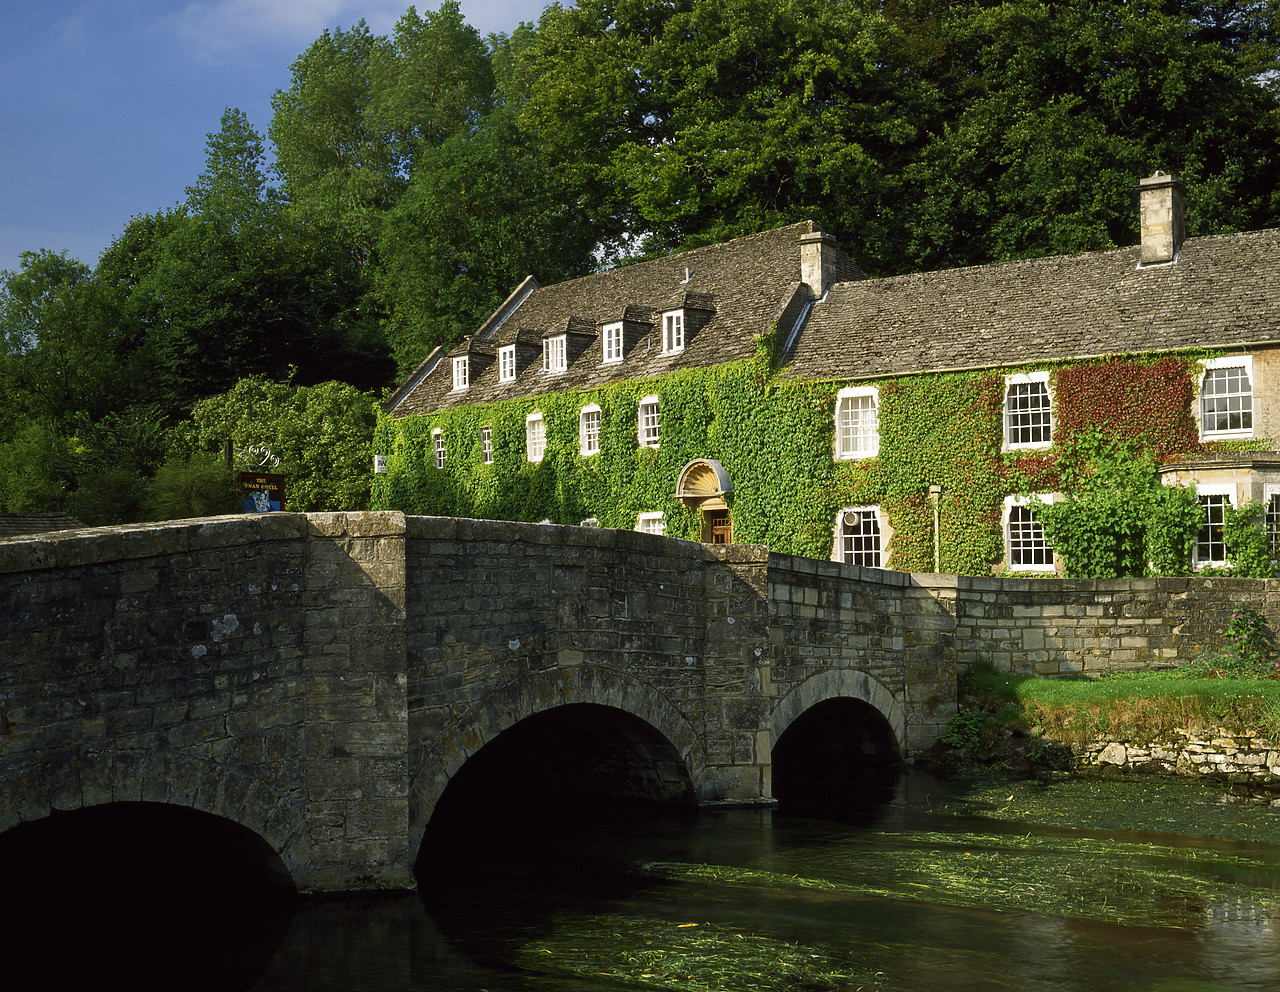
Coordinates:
(934, 493)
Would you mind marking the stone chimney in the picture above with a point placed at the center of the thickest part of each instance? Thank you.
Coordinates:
(1160, 211)
(817, 262)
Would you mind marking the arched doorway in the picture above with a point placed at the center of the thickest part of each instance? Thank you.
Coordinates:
(704, 485)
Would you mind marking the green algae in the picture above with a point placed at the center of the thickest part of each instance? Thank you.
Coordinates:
(1080, 878)
(635, 952)
(1164, 806)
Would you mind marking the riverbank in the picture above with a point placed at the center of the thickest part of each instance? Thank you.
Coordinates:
(1146, 724)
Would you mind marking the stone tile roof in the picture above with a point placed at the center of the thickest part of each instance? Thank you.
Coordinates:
(26, 524)
(732, 291)
(1222, 291)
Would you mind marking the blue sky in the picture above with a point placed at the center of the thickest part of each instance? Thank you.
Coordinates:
(107, 103)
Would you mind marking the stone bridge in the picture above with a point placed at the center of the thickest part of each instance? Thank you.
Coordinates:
(325, 679)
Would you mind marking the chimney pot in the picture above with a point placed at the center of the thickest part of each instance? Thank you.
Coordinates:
(1160, 215)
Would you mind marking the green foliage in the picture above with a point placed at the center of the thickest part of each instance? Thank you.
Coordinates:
(1116, 518)
(940, 430)
(35, 469)
(1246, 654)
(1248, 547)
(927, 136)
(322, 435)
(199, 487)
(775, 436)
(481, 213)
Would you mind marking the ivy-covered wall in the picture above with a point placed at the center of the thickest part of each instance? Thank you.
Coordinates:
(775, 437)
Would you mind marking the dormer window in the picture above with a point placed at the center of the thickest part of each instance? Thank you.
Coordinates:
(460, 373)
(612, 335)
(672, 332)
(554, 354)
(507, 363)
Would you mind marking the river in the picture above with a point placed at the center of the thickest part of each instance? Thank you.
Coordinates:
(1158, 886)
(1165, 886)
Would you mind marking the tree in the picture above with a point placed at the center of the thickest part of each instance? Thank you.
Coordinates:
(692, 122)
(60, 346)
(481, 213)
(1051, 111)
(233, 186)
(322, 434)
(923, 135)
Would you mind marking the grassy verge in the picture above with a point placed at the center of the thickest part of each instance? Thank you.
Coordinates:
(1139, 705)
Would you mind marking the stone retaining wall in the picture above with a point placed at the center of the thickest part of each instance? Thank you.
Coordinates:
(1094, 626)
(1236, 758)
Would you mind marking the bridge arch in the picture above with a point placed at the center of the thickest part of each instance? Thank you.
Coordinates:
(839, 683)
(243, 794)
(836, 745)
(540, 693)
(142, 889)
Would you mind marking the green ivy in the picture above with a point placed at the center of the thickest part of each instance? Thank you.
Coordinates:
(775, 437)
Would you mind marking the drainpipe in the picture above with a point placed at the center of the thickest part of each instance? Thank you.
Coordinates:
(934, 493)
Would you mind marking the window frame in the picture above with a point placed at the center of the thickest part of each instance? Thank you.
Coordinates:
(1244, 362)
(1271, 516)
(461, 373)
(1027, 503)
(1027, 379)
(1212, 490)
(555, 354)
(486, 445)
(611, 337)
(507, 363)
(585, 449)
(649, 429)
(844, 452)
(535, 428)
(440, 452)
(652, 517)
(845, 555)
(672, 332)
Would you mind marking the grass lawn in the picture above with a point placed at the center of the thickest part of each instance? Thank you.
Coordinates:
(1134, 706)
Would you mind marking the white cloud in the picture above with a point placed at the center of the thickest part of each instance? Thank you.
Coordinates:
(223, 27)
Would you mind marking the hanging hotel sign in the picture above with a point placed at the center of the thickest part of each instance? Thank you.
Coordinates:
(260, 492)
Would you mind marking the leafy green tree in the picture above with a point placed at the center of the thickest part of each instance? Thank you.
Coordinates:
(60, 346)
(322, 434)
(1051, 111)
(234, 185)
(693, 121)
(433, 80)
(194, 487)
(481, 213)
(923, 135)
(336, 164)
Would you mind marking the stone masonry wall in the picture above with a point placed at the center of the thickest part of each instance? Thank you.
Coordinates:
(249, 666)
(1069, 626)
(157, 663)
(826, 615)
(1236, 758)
